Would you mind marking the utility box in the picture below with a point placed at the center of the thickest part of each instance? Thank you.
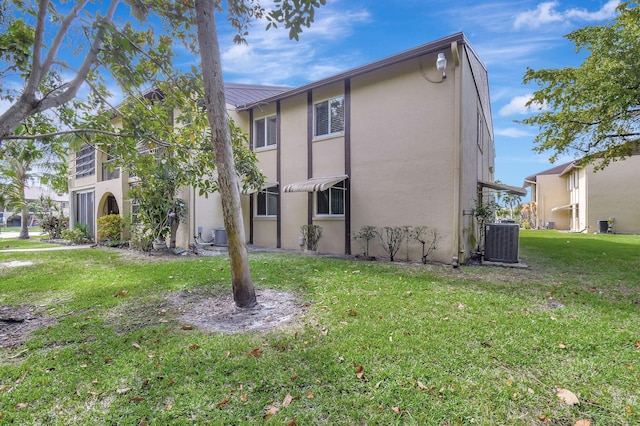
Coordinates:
(501, 242)
(603, 226)
(220, 236)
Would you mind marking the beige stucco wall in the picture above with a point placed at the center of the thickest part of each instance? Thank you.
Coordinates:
(614, 193)
(551, 191)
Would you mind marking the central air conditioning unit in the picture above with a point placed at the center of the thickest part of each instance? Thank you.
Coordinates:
(219, 236)
(501, 242)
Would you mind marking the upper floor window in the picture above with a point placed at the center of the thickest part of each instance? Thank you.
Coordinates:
(331, 201)
(265, 132)
(85, 161)
(329, 116)
(267, 202)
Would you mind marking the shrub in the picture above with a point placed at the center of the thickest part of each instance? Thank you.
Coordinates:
(110, 227)
(79, 235)
(391, 237)
(141, 239)
(54, 225)
(366, 234)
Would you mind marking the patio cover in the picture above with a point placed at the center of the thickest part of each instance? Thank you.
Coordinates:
(515, 190)
(316, 184)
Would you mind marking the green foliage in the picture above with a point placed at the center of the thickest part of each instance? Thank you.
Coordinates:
(110, 227)
(311, 234)
(78, 235)
(593, 109)
(141, 239)
(54, 225)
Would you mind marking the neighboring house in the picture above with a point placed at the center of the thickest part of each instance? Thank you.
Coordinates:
(391, 143)
(580, 199)
(33, 194)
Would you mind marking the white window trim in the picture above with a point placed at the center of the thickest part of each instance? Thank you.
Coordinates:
(266, 216)
(266, 133)
(330, 215)
(329, 133)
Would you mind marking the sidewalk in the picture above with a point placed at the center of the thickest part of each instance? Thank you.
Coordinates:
(12, 234)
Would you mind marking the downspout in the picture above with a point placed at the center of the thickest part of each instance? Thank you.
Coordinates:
(457, 254)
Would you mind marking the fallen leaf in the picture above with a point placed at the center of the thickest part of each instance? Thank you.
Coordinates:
(243, 397)
(324, 331)
(227, 354)
(561, 346)
(630, 367)
(545, 419)
(256, 352)
(171, 381)
(309, 395)
(222, 403)
(637, 345)
(627, 409)
(360, 372)
(567, 396)
(422, 386)
(583, 423)
(396, 410)
(509, 382)
(353, 312)
(122, 293)
(287, 400)
(187, 327)
(123, 390)
(592, 289)
(169, 407)
(271, 410)
(292, 422)
(136, 399)
(378, 384)
(137, 345)
(22, 405)
(194, 347)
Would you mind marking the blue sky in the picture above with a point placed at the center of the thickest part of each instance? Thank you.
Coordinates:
(509, 36)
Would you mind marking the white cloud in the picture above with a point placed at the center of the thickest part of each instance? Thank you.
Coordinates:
(547, 13)
(518, 105)
(514, 132)
(271, 58)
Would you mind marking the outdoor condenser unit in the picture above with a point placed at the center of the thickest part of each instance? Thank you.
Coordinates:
(501, 242)
(219, 236)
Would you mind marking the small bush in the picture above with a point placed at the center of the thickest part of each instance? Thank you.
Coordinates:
(141, 239)
(364, 236)
(110, 227)
(79, 235)
(54, 225)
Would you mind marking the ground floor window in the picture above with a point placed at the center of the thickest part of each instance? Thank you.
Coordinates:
(267, 202)
(331, 201)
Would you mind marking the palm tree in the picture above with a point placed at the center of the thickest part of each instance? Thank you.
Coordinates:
(511, 200)
(15, 172)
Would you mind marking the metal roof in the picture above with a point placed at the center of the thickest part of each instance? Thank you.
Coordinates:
(242, 94)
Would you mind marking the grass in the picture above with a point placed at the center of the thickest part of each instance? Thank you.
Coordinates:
(379, 343)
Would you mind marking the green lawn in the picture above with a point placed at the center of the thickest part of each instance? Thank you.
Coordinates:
(378, 343)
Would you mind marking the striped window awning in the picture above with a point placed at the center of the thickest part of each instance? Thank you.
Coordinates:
(316, 184)
(252, 190)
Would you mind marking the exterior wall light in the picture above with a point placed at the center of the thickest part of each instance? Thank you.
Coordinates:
(441, 65)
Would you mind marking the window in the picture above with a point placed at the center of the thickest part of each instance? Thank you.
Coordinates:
(331, 201)
(329, 116)
(267, 202)
(85, 161)
(265, 132)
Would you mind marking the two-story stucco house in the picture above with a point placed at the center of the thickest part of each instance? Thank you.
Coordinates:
(406, 140)
(580, 199)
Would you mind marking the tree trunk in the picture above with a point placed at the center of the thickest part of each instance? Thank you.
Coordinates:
(24, 228)
(243, 291)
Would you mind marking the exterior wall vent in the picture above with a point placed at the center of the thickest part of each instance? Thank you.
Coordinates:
(501, 242)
